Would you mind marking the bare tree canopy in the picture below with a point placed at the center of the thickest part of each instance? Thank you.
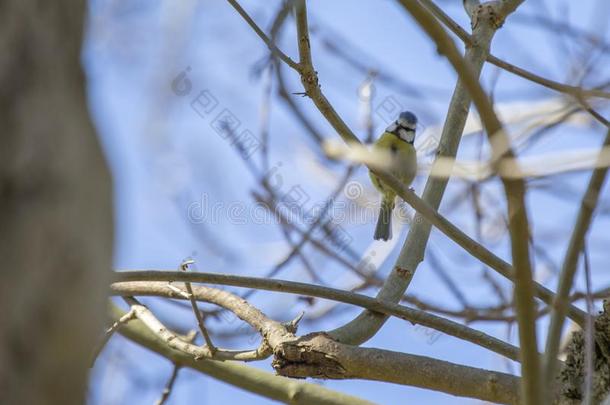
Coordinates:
(316, 202)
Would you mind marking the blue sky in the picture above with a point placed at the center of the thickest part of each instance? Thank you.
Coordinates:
(166, 159)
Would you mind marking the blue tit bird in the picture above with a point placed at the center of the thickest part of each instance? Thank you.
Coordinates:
(398, 140)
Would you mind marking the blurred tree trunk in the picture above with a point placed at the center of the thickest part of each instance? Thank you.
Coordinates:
(55, 207)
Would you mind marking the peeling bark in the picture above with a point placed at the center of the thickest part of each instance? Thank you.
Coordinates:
(309, 356)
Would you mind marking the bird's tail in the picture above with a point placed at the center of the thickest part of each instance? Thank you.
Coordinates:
(383, 230)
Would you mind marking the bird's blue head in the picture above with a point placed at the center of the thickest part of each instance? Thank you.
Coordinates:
(407, 120)
(404, 126)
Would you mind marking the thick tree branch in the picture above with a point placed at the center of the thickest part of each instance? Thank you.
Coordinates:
(260, 382)
(514, 188)
(317, 355)
(140, 283)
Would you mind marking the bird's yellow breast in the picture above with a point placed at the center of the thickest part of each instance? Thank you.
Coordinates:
(404, 161)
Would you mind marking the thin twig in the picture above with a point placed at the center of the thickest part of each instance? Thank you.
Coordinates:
(468, 41)
(271, 204)
(299, 114)
(200, 322)
(178, 343)
(169, 337)
(169, 386)
(309, 77)
(272, 47)
(167, 391)
(109, 332)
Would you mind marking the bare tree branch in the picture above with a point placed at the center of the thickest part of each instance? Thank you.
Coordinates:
(471, 41)
(169, 386)
(415, 316)
(129, 316)
(200, 322)
(248, 378)
(322, 357)
(570, 263)
(317, 355)
(176, 342)
(270, 44)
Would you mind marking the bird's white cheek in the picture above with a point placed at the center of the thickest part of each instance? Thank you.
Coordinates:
(406, 135)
